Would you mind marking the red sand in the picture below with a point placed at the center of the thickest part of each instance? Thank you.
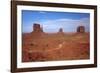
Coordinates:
(49, 47)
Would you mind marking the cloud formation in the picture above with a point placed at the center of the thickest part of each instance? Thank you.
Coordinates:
(68, 25)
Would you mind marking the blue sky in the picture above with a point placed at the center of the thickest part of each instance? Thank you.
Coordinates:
(53, 21)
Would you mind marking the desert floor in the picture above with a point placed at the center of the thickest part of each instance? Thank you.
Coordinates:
(55, 46)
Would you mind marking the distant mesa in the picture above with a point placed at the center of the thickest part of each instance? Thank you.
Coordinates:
(81, 29)
(60, 30)
(37, 28)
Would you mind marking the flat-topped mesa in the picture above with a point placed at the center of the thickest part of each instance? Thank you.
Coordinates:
(61, 31)
(80, 29)
(37, 31)
(37, 28)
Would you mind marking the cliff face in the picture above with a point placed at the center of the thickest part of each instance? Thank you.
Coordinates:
(81, 29)
(37, 28)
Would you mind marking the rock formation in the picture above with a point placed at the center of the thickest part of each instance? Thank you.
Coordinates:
(37, 28)
(81, 29)
(60, 30)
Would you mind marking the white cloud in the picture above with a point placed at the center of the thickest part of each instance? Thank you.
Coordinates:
(42, 12)
(68, 25)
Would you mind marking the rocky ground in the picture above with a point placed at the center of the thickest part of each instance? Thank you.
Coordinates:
(56, 46)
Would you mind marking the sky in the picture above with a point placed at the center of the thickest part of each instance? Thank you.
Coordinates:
(53, 21)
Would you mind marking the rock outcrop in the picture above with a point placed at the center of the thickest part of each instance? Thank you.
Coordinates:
(80, 29)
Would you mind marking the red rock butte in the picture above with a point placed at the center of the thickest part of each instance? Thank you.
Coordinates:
(81, 29)
(38, 29)
(41, 46)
